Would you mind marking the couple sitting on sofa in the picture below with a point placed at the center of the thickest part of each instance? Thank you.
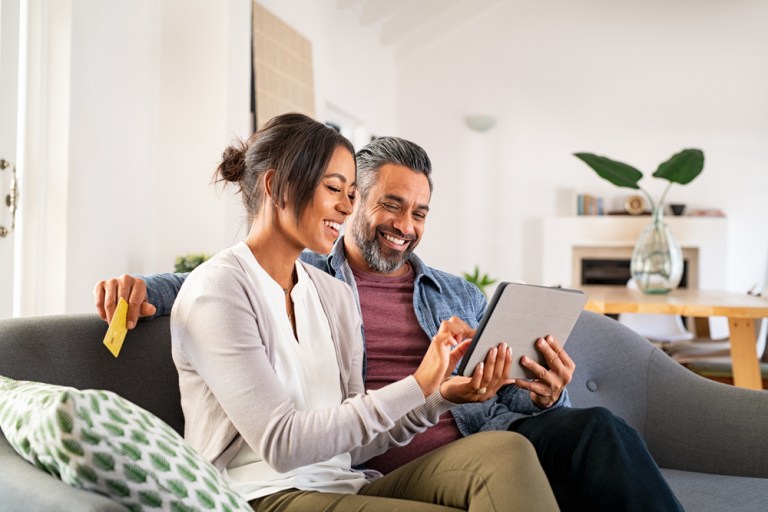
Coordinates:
(273, 367)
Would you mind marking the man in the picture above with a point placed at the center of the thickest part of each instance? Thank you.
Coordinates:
(593, 459)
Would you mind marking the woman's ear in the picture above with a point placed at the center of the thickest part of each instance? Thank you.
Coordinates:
(269, 178)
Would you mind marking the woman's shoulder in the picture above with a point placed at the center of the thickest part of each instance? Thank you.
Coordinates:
(223, 269)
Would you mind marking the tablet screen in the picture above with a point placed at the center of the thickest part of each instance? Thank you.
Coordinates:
(518, 315)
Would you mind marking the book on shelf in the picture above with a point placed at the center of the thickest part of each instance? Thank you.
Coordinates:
(587, 204)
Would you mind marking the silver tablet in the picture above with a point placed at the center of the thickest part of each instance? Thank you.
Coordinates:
(518, 315)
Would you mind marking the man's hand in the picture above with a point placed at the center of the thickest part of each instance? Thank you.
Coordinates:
(547, 387)
(107, 294)
(486, 380)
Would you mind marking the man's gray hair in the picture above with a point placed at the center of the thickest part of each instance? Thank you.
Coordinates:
(389, 150)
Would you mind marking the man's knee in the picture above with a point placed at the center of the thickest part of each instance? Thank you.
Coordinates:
(507, 446)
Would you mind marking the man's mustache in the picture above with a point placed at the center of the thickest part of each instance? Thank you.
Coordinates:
(397, 233)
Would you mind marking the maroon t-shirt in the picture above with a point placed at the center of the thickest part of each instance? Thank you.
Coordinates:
(395, 345)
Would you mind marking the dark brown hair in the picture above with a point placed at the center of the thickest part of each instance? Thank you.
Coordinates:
(297, 147)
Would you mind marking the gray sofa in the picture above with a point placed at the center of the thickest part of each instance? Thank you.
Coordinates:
(710, 439)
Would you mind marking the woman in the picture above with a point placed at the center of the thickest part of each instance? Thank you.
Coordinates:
(269, 352)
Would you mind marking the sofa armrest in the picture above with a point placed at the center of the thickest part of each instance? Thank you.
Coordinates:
(696, 424)
(24, 488)
(688, 422)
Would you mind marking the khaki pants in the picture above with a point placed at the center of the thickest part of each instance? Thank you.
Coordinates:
(486, 472)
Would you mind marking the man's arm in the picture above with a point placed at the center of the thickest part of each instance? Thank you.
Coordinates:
(162, 290)
(147, 296)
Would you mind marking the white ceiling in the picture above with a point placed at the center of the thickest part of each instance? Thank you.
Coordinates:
(409, 25)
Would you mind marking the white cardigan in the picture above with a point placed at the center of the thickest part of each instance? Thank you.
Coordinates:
(223, 350)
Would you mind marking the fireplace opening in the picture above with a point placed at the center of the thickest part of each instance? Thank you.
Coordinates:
(614, 272)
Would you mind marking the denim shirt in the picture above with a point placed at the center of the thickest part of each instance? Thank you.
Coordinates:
(437, 296)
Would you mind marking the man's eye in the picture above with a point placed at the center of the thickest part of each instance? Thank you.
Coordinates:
(420, 216)
(389, 206)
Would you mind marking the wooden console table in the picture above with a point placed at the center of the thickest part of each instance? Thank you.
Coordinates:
(742, 311)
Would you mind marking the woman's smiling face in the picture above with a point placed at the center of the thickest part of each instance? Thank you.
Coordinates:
(321, 221)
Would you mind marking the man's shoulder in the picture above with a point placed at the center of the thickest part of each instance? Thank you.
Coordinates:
(447, 280)
(319, 261)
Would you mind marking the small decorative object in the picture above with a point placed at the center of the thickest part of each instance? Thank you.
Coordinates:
(188, 262)
(657, 260)
(634, 204)
(677, 208)
(480, 280)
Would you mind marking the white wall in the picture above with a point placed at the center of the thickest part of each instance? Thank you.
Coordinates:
(157, 89)
(635, 81)
(353, 72)
(152, 107)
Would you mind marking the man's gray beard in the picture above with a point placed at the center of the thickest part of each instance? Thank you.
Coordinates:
(371, 250)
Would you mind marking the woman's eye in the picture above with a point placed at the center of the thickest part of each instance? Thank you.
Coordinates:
(351, 197)
(333, 189)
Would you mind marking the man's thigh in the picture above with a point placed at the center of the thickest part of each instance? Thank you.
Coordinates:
(481, 472)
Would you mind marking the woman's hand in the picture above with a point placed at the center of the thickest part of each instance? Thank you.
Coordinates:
(486, 380)
(441, 357)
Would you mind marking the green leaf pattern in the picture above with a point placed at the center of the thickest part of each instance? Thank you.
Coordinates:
(98, 441)
(65, 421)
(104, 461)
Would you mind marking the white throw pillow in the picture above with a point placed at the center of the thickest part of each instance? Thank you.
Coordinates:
(98, 441)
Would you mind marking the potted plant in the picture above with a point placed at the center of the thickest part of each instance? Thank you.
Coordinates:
(657, 260)
(482, 281)
(188, 262)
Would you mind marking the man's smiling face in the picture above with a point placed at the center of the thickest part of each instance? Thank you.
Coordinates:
(388, 223)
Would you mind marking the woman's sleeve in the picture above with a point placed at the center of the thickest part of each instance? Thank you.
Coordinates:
(415, 422)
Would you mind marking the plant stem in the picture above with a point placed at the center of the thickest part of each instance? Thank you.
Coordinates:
(664, 195)
(650, 199)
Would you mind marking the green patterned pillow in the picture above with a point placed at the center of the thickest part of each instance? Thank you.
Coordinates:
(98, 441)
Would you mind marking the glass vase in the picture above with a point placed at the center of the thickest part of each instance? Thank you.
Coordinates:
(657, 260)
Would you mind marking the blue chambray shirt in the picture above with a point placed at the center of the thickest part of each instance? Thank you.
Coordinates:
(437, 296)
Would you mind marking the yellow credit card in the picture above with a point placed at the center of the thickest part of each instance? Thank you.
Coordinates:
(117, 330)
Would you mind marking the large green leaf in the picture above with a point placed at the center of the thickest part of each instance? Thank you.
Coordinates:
(618, 173)
(682, 167)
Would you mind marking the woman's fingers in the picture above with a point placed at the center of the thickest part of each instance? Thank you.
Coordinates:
(438, 362)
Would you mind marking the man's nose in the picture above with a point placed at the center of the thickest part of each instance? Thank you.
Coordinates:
(404, 223)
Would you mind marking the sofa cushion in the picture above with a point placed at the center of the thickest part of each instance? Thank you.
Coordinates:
(98, 441)
(705, 492)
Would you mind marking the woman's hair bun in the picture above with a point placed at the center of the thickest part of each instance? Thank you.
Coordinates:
(232, 165)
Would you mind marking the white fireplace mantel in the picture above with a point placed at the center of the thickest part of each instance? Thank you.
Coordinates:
(560, 235)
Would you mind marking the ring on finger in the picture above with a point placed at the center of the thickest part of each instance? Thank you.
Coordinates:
(481, 391)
